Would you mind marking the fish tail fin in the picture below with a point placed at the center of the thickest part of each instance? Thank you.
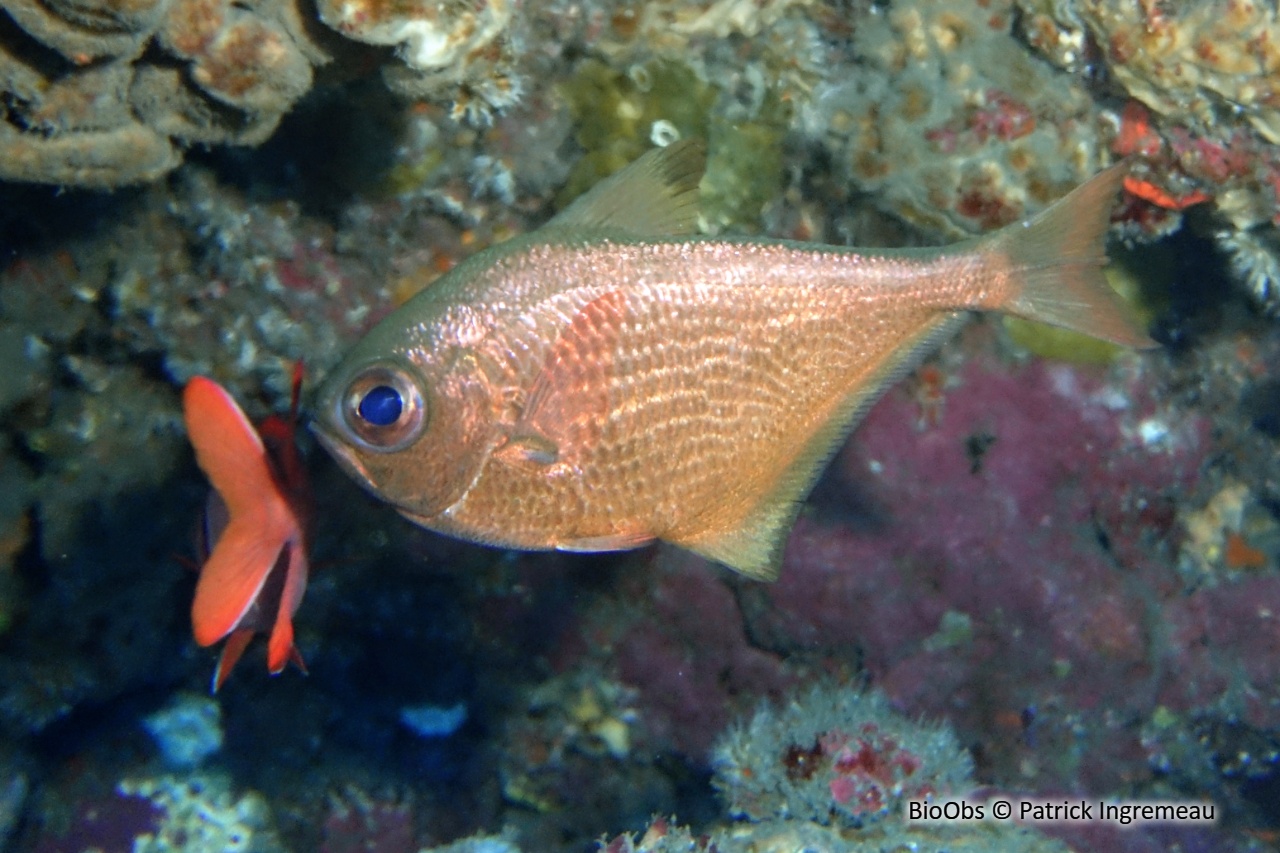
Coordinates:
(1054, 262)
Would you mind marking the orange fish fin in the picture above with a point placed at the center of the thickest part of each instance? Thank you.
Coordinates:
(568, 401)
(231, 652)
(1056, 261)
(228, 448)
(654, 196)
(280, 648)
(233, 576)
(260, 521)
(753, 544)
(280, 645)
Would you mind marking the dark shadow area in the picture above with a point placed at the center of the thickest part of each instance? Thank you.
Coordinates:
(336, 142)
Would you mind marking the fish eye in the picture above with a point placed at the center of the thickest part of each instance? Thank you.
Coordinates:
(383, 408)
(381, 405)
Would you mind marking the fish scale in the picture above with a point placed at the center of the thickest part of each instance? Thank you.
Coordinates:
(610, 380)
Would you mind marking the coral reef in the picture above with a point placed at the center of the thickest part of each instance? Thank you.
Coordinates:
(187, 730)
(460, 46)
(101, 94)
(201, 813)
(836, 753)
(85, 105)
(164, 814)
(950, 122)
(791, 835)
(1201, 121)
(1074, 566)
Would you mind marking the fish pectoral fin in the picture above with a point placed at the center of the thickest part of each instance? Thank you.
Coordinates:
(528, 448)
(654, 196)
(569, 400)
(615, 542)
(752, 546)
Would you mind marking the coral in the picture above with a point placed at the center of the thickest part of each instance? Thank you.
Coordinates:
(836, 753)
(569, 717)
(188, 730)
(201, 814)
(164, 814)
(1054, 527)
(101, 94)
(1254, 256)
(463, 48)
(1201, 61)
(358, 823)
(650, 89)
(1220, 533)
(1202, 121)
(952, 124)
(481, 843)
(93, 110)
(431, 721)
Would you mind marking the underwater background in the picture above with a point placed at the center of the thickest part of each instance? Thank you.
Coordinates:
(1041, 568)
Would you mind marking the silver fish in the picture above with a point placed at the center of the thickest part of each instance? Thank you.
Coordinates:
(613, 378)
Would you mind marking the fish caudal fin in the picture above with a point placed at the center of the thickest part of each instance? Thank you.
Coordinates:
(1055, 261)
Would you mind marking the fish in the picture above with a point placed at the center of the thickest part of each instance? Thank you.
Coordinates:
(615, 378)
(255, 575)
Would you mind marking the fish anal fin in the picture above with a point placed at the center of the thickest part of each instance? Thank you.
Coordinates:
(569, 400)
(654, 196)
(753, 544)
(231, 652)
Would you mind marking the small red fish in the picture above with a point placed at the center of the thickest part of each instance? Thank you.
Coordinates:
(255, 576)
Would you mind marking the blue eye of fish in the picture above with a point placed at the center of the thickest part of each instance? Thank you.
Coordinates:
(381, 405)
(383, 409)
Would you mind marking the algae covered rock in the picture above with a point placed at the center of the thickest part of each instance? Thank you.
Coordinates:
(836, 754)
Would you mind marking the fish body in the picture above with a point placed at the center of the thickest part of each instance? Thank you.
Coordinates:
(255, 574)
(613, 379)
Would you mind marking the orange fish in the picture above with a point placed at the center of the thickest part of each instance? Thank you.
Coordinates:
(616, 378)
(255, 576)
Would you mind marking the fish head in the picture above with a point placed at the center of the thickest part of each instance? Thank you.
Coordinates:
(414, 429)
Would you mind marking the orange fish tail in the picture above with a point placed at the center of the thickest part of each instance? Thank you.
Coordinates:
(1053, 263)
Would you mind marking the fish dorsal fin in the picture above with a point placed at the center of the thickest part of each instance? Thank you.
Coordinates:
(654, 196)
(568, 401)
(753, 544)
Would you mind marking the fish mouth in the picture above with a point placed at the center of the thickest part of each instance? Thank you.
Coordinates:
(341, 452)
